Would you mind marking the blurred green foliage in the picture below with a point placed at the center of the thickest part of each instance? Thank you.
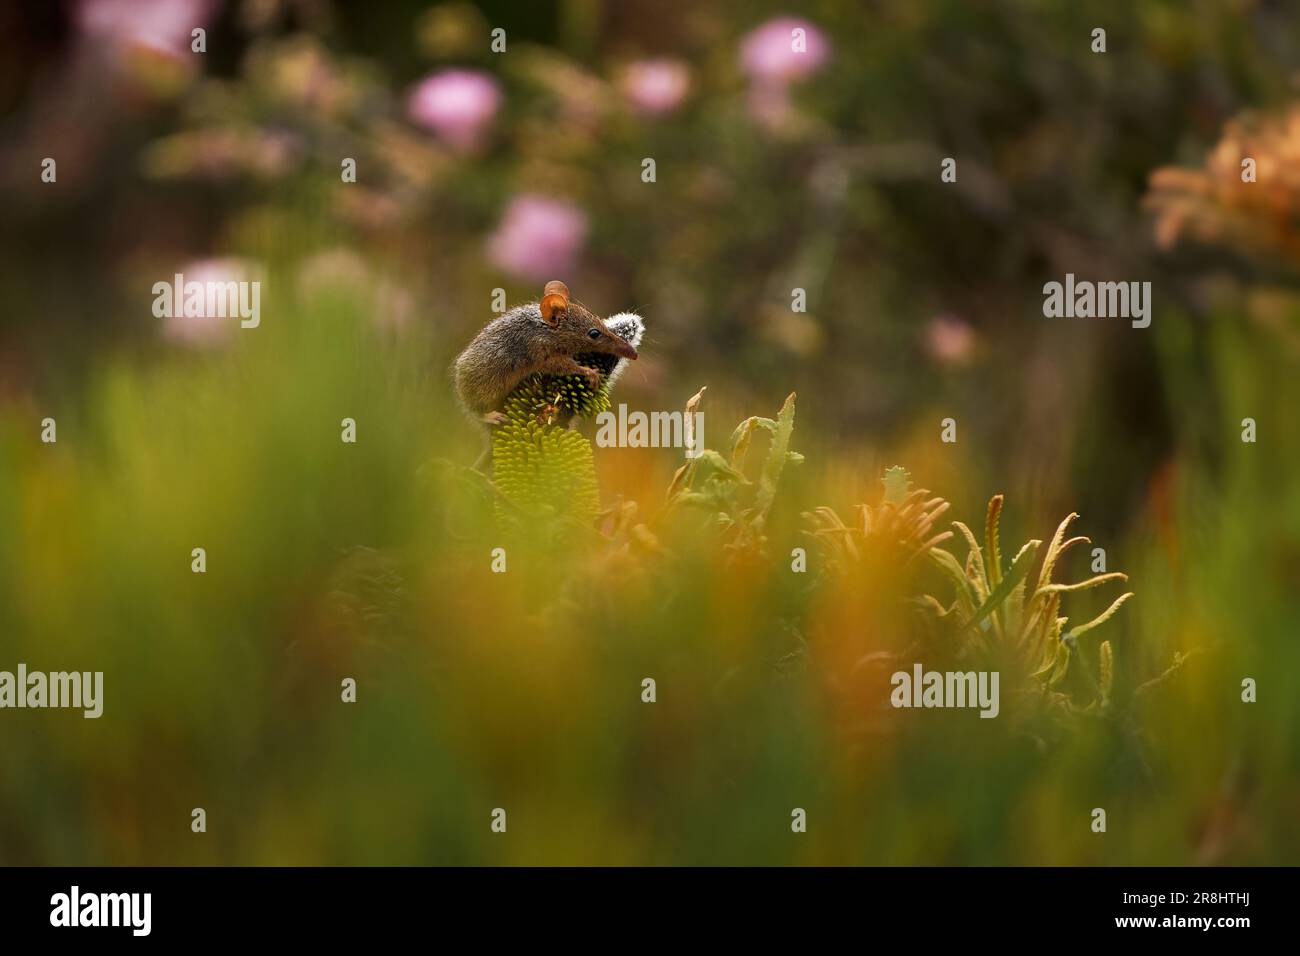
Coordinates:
(522, 690)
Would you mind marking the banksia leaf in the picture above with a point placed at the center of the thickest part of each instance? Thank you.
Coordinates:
(720, 464)
(994, 556)
(1107, 670)
(1031, 629)
(1082, 585)
(1054, 551)
(1062, 664)
(685, 475)
(1013, 615)
(975, 561)
(1055, 666)
(744, 434)
(966, 595)
(775, 462)
(1101, 618)
(1014, 576)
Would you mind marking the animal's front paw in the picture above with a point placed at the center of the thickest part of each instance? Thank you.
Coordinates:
(495, 418)
(592, 376)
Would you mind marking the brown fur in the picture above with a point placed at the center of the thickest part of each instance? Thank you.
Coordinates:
(522, 342)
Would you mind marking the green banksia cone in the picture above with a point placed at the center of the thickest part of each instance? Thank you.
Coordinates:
(541, 466)
(544, 469)
(552, 398)
(538, 463)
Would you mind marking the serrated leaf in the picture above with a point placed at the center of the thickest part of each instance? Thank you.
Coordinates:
(1101, 618)
(1054, 665)
(1062, 667)
(775, 462)
(827, 517)
(681, 479)
(1016, 574)
(1082, 585)
(974, 560)
(994, 555)
(948, 565)
(1107, 662)
(744, 435)
(720, 465)
(1054, 551)
(1014, 612)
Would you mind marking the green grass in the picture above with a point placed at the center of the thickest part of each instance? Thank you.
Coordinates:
(522, 690)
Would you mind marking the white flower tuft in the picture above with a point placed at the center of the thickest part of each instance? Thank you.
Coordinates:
(630, 327)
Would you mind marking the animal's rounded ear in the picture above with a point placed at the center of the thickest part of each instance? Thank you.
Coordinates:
(555, 302)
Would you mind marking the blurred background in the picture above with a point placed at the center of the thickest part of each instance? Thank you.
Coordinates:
(774, 171)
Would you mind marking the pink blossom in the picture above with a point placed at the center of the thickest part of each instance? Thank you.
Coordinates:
(950, 339)
(164, 26)
(656, 86)
(457, 105)
(538, 238)
(775, 52)
(206, 331)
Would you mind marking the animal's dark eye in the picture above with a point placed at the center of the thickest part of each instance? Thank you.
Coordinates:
(593, 334)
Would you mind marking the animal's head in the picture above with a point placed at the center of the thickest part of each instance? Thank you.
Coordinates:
(578, 328)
